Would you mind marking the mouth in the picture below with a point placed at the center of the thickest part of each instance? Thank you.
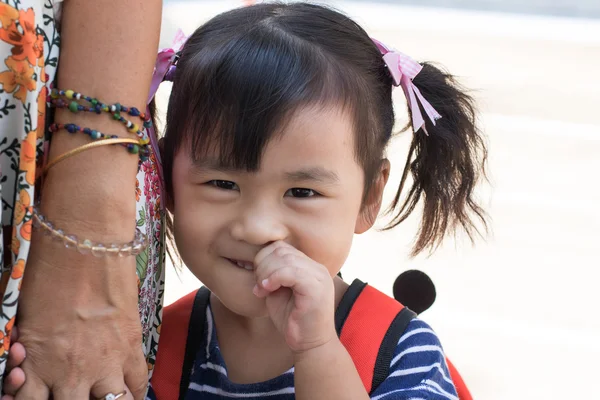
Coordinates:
(247, 265)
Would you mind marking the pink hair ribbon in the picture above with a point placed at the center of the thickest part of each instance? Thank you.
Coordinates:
(403, 70)
(163, 70)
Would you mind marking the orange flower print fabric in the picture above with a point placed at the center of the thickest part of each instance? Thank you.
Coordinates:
(27, 34)
(29, 51)
(18, 79)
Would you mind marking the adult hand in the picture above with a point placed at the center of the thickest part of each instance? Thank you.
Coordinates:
(80, 326)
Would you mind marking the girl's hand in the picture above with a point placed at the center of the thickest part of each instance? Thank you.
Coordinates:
(299, 296)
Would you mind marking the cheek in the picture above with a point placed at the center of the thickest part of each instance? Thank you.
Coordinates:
(193, 225)
(328, 238)
(189, 237)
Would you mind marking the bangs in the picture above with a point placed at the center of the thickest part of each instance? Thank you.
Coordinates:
(236, 89)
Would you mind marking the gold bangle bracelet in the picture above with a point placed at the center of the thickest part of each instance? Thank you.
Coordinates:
(98, 143)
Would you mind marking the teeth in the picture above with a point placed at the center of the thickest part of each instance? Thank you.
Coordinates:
(246, 266)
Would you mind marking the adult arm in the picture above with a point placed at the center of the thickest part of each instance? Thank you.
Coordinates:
(78, 315)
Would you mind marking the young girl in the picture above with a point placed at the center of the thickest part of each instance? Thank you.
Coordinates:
(273, 159)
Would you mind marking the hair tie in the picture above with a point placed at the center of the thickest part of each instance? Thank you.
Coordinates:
(164, 70)
(403, 70)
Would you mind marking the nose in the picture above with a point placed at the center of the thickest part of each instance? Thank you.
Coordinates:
(259, 225)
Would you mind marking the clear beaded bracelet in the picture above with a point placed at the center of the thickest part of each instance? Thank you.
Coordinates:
(133, 248)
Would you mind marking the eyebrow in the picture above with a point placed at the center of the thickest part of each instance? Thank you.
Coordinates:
(317, 174)
(211, 164)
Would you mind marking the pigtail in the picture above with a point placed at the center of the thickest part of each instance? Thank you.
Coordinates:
(445, 165)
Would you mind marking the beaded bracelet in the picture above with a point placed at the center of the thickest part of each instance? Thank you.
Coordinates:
(71, 94)
(133, 248)
(133, 148)
(99, 107)
(75, 107)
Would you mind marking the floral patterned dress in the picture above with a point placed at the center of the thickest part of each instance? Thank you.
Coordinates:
(29, 50)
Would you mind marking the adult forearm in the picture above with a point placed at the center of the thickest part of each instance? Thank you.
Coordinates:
(108, 51)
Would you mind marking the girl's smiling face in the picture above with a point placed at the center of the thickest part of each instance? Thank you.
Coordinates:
(308, 192)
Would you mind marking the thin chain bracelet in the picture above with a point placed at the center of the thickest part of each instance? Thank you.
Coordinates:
(133, 248)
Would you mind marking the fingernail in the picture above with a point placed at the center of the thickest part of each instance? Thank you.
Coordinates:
(265, 282)
(255, 290)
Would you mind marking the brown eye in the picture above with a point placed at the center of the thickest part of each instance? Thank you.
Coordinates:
(301, 193)
(225, 185)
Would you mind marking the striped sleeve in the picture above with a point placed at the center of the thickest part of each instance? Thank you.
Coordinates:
(418, 369)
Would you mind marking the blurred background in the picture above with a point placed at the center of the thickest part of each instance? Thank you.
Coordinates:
(518, 312)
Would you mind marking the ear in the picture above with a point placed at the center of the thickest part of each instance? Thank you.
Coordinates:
(167, 199)
(370, 209)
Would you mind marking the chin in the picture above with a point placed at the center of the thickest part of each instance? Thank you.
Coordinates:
(242, 302)
(231, 285)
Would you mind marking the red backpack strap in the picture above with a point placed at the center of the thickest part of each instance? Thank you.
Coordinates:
(459, 383)
(181, 336)
(370, 324)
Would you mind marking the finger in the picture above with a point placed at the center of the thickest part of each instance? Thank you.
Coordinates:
(136, 377)
(128, 395)
(279, 258)
(263, 253)
(294, 277)
(16, 356)
(276, 258)
(33, 389)
(70, 392)
(7, 397)
(14, 381)
(114, 384)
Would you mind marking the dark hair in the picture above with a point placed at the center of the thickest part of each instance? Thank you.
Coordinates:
(242, 74)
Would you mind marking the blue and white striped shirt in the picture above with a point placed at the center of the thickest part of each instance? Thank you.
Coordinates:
(418, 372)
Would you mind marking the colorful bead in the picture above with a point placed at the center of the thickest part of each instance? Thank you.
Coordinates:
(74, 107)
(133, 148)
(71, 128)
(69, 94)
(134, 128)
